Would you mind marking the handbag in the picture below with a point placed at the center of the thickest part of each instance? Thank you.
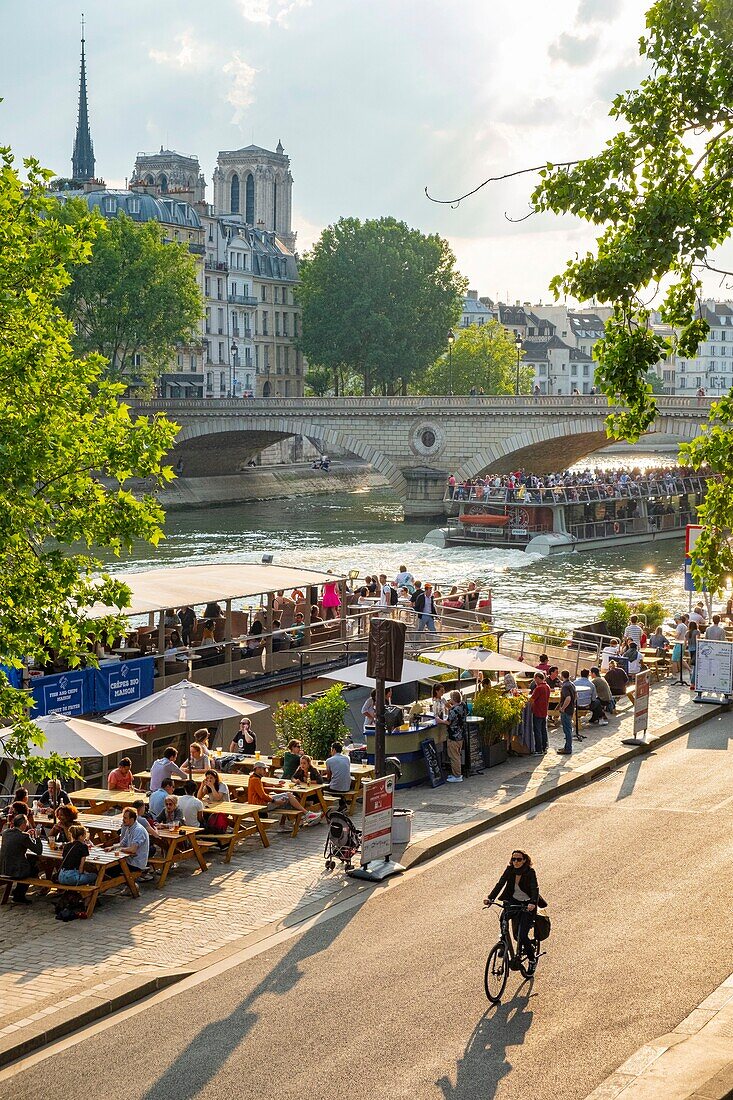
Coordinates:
(542, 926)
(217, 823)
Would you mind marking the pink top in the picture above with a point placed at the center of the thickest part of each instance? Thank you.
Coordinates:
(330, 595)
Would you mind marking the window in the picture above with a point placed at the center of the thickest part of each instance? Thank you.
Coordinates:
(542, 369)
(277, 293)
(233, 291)
(249, 199)
(207, 286)
(285, 324)
(286, 359)
(208, 318)
(137, 359)
(234, 194)
(530, 332)
(210, 379)
(218, 289)
(682, 383)
(221, 351)
(179, 360)
(277, 323)
(278, 358)
(220, 320)
(264, 323)
(264, 293)
(267, 358)
(133, 206)
(110, 204)
(574, 370)
(585, 370)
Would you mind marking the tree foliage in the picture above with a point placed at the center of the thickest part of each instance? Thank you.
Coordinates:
(138, 295)
(378, 299)
(484, 357)
(61, 425)
(662, 188)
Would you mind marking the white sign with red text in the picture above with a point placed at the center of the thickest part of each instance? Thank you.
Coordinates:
(376, 832)
(641, 701)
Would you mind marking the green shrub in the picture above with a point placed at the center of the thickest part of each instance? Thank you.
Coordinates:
(549, 635)
(500, 713)
(291, 722)
(616, 614)
(325, 717)
(653, 612)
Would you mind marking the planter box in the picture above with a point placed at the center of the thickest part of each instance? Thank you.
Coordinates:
(494, 754)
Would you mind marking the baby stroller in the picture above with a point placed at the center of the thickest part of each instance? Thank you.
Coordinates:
(343, 840)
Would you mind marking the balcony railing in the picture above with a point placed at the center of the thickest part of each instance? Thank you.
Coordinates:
(243, 299)
(197, 249)
(216, 265)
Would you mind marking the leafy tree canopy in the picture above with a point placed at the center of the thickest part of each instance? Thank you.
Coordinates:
(138, 295)
(484, 358)
(61, 425)
(378, 299)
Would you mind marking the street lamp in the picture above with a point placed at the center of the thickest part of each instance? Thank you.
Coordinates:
(235, 355)
(518, 346)
(451, 341)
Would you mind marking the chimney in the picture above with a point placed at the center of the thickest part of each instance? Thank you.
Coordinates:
(473, 294)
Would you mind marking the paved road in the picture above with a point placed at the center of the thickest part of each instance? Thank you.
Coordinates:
(388, 1001)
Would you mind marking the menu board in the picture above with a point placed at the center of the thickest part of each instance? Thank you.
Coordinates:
(474, 752)
(432, 762)
(714, 667)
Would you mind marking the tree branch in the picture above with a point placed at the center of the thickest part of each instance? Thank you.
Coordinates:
(496, 179)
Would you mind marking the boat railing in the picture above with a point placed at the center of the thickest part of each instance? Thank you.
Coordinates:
(633, 525)
(576, 494)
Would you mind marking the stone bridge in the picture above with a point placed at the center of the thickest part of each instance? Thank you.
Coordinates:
(414, 442)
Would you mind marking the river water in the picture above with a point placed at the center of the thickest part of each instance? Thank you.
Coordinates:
(365, 531)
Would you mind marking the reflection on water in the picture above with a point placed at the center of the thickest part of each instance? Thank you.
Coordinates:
(366, 532)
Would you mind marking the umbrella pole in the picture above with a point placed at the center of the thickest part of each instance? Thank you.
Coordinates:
(379, 731)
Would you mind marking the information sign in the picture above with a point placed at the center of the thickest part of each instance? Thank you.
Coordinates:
(432, 762)
(376, 833)
(692, 534)
(641, 702)
(714, 667)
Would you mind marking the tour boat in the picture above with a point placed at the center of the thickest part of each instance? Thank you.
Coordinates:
(566, 518)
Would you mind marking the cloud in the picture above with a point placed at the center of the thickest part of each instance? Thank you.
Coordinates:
(240, 94)
(621, 78)
(538, 112)
(598, 11)
(267, 12)
(573, 50)
(189, 53)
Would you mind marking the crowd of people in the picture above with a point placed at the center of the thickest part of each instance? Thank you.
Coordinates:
(607, 483)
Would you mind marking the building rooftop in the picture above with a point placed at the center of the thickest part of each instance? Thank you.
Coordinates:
(137, 205)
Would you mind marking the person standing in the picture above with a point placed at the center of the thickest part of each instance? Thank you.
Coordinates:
(540, 702)
(165, 768)
(567, 710)
(425, 607)
(715, 632)
(456, 719)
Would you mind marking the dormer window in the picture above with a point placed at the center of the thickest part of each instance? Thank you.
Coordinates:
(133, 205)
(110, 204)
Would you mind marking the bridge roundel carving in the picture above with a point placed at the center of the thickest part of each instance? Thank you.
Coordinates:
(427, 439)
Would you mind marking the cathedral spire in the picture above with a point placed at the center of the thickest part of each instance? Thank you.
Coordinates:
(82, 160)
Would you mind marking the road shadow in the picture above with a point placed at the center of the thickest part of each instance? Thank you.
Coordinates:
(210, 1048)
(631, 775)
(485, 1062)
(714, 734)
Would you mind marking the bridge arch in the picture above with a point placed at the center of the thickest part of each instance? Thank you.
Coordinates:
(273, 429)
(557, 445)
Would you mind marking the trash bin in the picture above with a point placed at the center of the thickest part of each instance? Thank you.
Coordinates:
(402, 826)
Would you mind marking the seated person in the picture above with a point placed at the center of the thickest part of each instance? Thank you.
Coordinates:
(65, 817)
(297, 634)
(54, 795)
(134, 843)
(143, 817)
(121, 778)
(553, 679)
(305, 772)
(659, 641)
(276, 799)
(75, 855)
(280, 638)
(191, 807)
(157, 798)
(315, 614)
(291, 758)
(608, 652)
(198, 760)
(19, 852)
(616, 679)
(603, 691)
(213, 789)
(170, 814)
(21, 805)
(543, 665)
(631, 653)
(255, 643)
(510, 684)
(587, 696)
(338, 770)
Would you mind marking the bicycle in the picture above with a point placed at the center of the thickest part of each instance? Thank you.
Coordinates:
(503, 957)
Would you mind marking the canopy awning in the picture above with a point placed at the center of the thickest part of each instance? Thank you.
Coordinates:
(158, 589)
(356, 675)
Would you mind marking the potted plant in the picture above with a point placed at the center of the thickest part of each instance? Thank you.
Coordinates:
(500, 714)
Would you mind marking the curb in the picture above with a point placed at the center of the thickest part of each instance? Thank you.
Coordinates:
(449, 838)
(32, 1037)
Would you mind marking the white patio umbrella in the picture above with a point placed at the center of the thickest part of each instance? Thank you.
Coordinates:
(357, 674)
(475, 660)
(76, 737)
(185, 702)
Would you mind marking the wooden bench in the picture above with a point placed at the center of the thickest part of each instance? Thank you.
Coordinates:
(128, 877)
(296, 816)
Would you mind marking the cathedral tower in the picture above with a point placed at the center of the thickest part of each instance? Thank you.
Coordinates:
(82, 160)
(257, 184)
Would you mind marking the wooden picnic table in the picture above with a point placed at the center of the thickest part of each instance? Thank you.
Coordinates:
(238, 812)
(178, 845)
(98, 860)
(100, 799)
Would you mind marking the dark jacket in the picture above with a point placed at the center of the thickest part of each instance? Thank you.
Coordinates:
(527, 882)
(14, 862)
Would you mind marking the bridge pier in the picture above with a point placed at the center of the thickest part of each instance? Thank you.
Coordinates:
(425, 492)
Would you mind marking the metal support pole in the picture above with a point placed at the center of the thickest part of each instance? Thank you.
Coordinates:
(379, 731)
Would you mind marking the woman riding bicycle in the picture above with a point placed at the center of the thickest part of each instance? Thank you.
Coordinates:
(518, 885)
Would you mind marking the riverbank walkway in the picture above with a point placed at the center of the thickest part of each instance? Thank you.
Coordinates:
(53, 972)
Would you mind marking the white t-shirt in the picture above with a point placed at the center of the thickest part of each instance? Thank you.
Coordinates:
(715, 633)
(696, 617)
(680, 632)
(189, 805)
(608, 653)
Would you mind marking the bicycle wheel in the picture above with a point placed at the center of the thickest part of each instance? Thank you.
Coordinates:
(496, 973)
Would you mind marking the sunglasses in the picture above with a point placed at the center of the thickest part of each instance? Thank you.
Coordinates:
(517, 859)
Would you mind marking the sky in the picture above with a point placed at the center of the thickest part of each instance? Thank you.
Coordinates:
(374, 100)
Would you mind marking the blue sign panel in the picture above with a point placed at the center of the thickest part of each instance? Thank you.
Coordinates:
(116, 685)
(689, 579)
(14, 675)
(67, 693)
